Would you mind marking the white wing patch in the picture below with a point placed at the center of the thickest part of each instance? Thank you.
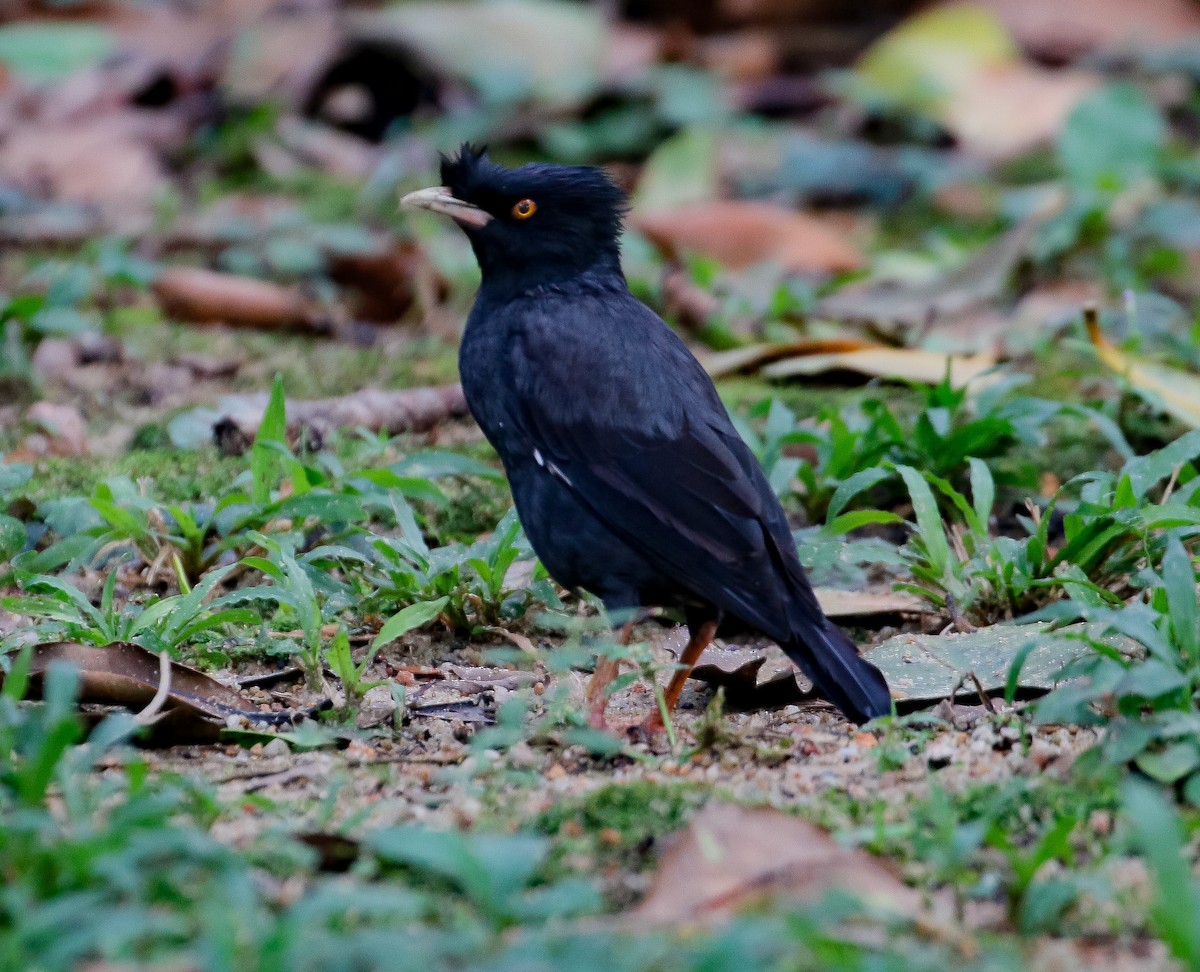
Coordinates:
(552, 469)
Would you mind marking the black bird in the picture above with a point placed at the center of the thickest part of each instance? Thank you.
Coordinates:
(628, 476)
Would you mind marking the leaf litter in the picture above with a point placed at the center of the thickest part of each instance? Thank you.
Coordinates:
(392, 768)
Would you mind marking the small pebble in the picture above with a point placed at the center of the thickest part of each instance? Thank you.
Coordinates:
(939, 753)
(276, 747)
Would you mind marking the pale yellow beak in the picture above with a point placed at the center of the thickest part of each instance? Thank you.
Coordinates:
(439, 199)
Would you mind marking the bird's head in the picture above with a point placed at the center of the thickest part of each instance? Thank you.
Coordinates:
(541, 221)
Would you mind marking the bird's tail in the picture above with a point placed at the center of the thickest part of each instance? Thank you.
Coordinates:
(839, 673)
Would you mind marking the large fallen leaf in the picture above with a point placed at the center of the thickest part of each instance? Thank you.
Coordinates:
(105, 162)
(928, 668)
(1065, 29)
(920, 669)
(817, 357)
(731, 857)
(960, 65)
(921, 61)
(1176, 392)
(739, 234)
(906, 364)
(864, 608)
(1004, 112)
(753, 678)
(207, 297)
(753, 356)
(889, 306)
(547, 50)
(197, 707)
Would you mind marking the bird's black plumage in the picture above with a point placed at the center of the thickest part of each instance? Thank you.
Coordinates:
(627, 473)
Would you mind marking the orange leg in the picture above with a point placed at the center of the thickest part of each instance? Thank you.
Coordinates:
(687, 661)
(606, 670)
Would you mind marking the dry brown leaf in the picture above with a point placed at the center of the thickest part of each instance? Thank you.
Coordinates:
(387, 279)
(127, 674)
(753, 356)
(1176, 392)
(197, 706)
(1003, 112)
(1065, 29)
(753, 677)
(796, 358)
(730, 857)
(64, 428)
(905, 364)
(739, 234)
(889, 307)
(866, 607)
(101, 162)
(960, 63)
(208, 297)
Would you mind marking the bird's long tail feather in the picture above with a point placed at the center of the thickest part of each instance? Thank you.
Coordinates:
(827, 656)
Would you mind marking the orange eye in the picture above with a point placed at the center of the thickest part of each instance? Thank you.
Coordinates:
(524, 209)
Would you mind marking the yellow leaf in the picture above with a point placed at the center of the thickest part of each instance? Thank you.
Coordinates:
(906, 364)
(1176, 392)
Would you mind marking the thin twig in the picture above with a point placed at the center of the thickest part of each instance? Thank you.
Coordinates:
(983, 696)
(1170, 488)
(957, 618)
(150, 713)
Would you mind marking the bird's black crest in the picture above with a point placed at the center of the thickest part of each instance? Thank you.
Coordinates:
(467, 169)
(574, 190)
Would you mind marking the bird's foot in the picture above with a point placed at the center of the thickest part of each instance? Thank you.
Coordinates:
(597, 716)
(648, 732)
(597, 692)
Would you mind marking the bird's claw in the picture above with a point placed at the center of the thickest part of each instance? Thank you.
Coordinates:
(646, 732)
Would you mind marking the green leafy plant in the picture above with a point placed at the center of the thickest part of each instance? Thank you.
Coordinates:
(351, 673)
(1113, 534)
(157, 623)
(473, 578)
(294, 590)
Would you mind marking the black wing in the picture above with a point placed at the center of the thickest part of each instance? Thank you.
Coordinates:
(627, 419)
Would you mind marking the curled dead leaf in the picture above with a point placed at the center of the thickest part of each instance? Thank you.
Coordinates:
(754, 678)
(197, 707)
(102, 163)
(739, 234)
(206, 297)
(1066, 29)
(906, 364)
(890, 307)
(870, 360)
(387, 279)
(730, 857)
(1175, 391)
(1003, 112)
(65, 433)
